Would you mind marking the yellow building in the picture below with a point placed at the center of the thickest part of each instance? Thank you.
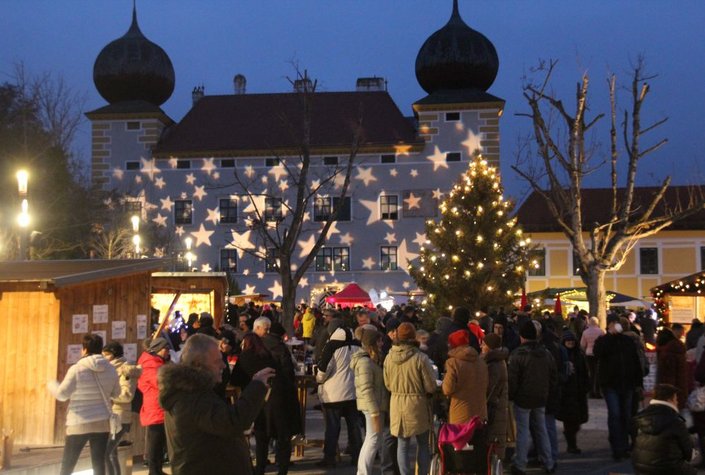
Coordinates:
(670, 254)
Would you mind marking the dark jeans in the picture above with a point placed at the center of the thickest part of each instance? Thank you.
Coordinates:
(332, 413)
(591, 362)
(388, 457)
(570, 430)
(112, 451)
(619, 414)
(72, 450)
(156, 445)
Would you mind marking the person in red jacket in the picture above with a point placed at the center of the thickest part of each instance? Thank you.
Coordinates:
(151, 413)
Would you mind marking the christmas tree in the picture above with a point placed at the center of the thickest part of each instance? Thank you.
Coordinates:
(476, 256)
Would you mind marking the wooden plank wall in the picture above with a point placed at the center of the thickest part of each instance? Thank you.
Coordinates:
(126, 298)
(216, 284)
(30, 345)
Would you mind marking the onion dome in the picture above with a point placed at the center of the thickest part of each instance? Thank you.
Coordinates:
(456, 57)
(133, 68)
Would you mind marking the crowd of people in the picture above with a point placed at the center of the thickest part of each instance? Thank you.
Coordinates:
(203, 390)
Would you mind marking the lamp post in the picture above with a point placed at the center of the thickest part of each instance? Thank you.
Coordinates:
(136, 237)
(23, 217)
(190, 257)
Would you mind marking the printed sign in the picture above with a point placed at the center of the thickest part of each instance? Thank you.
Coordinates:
(73, 353)
(100, 314)
(119, 330)
(79, 324)
(141, 327)
(130, 350)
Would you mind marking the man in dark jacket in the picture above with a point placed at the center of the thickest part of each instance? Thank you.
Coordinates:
(620, 373)
(532, 376)
(204, 433)
(662, 444)
(461, 319)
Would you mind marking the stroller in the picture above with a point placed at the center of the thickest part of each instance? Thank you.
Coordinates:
(464, 449)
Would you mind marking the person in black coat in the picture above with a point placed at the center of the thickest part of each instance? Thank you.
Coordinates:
(662, 444)
(574, 389)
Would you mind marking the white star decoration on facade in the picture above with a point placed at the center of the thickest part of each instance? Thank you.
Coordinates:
(420, 239)
(406, 284)
(368, 263)
(339, 180)
(393, 172)
(438, 159)
(213, 215)
(333, 229)
(208, 165)
(199, 192)
(138, 179)
(167, 204)
(276, 290)
(346, 239)
(249, 171)
(472, 143)
(202, 236)
(250, 289)
(242, 242)
(190, 179)
(414, 173)
(173, 162)
(159, 182)
(206, 267)
(438, 194)
(390, 238)
(260, 275)
(160, 220)
(149, 167)
(117, 173)
(373, 206)
(405, 256)
(365, 175)
(283, 186)
(278, 172)
(303, 283)
(413, 201)
(307, 246)
(179, 231)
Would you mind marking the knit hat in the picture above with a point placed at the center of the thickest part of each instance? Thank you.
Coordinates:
(114, 348)
(493, 341)
(406, 332)
(527, 330)
(157, 345)
(569, 336)
(459, 338)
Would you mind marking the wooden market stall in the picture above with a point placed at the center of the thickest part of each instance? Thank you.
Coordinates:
(46, 307)
(199, 292)
(681, 300)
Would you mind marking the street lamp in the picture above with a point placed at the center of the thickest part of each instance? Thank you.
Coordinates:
(190, 257)
(136, 238)
(23, 217)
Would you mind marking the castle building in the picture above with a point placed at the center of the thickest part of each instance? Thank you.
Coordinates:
(230, 159)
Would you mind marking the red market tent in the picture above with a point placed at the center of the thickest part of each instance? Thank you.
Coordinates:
(350, 296)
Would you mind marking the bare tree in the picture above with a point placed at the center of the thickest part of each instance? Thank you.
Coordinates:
(279, 223)
(563, 158)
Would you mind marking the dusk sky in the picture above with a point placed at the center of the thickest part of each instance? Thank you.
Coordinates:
(338, 41)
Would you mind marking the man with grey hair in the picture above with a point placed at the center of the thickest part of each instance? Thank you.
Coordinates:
(261, 326)
(204, 433)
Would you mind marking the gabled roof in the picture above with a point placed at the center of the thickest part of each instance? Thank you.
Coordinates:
(72, 272)
(534, 216)
(266, 124)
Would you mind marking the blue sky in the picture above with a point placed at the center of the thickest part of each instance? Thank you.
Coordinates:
(209, 41)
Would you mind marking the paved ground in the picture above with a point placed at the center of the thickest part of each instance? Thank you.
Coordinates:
(595, 460)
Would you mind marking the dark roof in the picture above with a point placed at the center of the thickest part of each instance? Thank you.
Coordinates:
(263, 124)
(71, 272)
(459, 96)
(534, 216)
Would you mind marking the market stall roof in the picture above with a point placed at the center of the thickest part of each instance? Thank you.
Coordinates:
(352, 294)
(579, 294)
(691, 285)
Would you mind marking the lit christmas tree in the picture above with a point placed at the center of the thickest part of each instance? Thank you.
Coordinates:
(476, 256)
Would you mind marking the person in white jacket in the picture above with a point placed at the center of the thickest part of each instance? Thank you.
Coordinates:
(336, 392)
(86, 386)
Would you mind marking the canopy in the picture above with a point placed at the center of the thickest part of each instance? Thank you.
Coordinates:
(350, 296)
(579, 294)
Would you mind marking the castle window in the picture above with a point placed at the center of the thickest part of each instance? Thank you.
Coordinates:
(452, 116)
(388, 158)
(132, 165)
(453, 157)
(133, 125)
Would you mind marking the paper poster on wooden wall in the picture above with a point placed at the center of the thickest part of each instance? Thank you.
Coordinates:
(130, 350)
(119, 330)
(100, 314)
(79, 323)
(141, 327)
(103, 334)
(73, 353)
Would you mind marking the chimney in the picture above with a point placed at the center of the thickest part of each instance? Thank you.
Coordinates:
(371, 84)
(197, 94)
(240, 84)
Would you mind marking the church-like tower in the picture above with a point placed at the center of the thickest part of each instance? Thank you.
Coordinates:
(456, 66)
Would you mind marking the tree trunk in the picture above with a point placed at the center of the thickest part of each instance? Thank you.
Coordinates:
(596, 293)
(288, 304)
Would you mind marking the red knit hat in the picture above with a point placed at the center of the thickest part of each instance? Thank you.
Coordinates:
(459, 338)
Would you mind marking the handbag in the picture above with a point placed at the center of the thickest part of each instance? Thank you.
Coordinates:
(115, 421)
(696, 400)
